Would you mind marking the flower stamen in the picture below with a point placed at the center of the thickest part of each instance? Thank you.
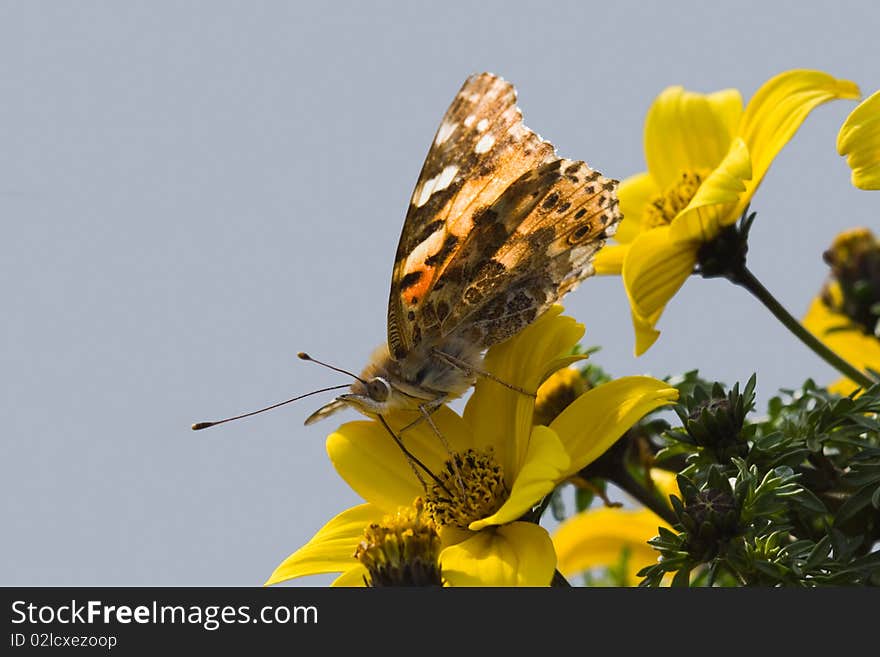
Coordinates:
(663, 208)
(854, 258)
(402, 550)
(482, 494)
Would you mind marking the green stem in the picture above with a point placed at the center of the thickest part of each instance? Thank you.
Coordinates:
(626, 482)
(534, 516)
(746, 279)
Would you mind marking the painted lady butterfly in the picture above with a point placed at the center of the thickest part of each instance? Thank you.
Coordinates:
(498, 229)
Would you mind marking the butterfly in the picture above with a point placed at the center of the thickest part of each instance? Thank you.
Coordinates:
(498, 229)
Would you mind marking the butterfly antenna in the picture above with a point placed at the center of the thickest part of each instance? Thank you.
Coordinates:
(304, 356)
(204, 425)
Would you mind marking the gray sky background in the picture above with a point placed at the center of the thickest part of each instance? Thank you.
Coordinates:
(190, 193)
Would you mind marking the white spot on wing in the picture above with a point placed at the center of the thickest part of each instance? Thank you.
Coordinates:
(445, 131)
(422, 194)
(484, 144)
(469, 121)
(482, 125)
(416, 259)
(436, 184)
(446, 176)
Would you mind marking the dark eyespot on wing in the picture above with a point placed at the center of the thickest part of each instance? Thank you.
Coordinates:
(550, 201)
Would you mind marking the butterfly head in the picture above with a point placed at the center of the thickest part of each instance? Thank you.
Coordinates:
(372, 393)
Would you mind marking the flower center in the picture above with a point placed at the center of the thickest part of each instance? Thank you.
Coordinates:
(479, 492)
(663, 208)
(402, 550)
(854, 258)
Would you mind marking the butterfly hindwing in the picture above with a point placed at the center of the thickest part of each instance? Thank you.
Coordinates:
(526, 250)
(480, 148)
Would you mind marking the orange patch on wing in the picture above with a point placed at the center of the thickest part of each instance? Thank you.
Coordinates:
(414, 294)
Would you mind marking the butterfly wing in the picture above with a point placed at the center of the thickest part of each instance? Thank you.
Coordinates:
(527, 249)
(499, 227)
(480, 149)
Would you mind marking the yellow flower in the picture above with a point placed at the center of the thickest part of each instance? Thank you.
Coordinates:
(844, 314)
(859, 140)
(505, 465)
(596, 538)
(706, 158)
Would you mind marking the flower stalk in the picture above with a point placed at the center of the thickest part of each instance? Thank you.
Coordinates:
(743, 277)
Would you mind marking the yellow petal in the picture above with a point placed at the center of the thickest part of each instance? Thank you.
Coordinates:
(665, 482)
(501, 418)
(332, 549)
(777, 110)
(367, 458)
(609, 259)
(596, 538)
(854, 346)
(728, 106)
(595, 420)
(859, 140)
(518, 554)
(685, 131)
(646, 334)
(843, 387)
(351, 578)
(545, 463)
(634, 193)
(654, 269)
(714, 205)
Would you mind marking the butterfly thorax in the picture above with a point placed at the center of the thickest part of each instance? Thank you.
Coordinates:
(428, 374)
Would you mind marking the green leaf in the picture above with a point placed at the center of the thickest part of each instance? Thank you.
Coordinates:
(818, 554)
(854, 504)
(773, 570)
(557, 506)
(682, 577)
(808, 499)
(583, 498)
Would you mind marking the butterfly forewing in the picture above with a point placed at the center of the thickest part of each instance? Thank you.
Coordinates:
(480, 148)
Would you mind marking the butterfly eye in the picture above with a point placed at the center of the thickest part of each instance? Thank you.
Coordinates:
(378, 389)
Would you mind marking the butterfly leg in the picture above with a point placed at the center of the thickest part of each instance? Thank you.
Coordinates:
(414, 462)
(430, 407)
(426, 410)
(471, 371)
